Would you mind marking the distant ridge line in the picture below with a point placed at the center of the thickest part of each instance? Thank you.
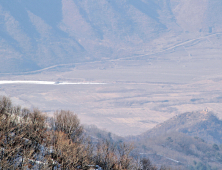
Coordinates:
(139, 55)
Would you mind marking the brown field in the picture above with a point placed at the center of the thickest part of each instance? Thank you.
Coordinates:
(138, 94)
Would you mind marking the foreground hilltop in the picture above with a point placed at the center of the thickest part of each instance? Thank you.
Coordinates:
(182, 142)
(31, 140)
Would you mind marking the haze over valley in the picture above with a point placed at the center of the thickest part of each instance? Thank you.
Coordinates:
(130, 64)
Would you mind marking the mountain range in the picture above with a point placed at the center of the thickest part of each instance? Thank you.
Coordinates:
(38, 34)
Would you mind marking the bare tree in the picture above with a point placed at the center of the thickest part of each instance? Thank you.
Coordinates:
(68, 123)
(145, 164)
(67, 154)
(112, 156)
(69, 148)
(21, 135)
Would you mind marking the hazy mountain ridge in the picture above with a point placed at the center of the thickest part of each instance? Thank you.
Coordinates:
(197, 124)
(40, 34)
(183, 139)
(180, 151)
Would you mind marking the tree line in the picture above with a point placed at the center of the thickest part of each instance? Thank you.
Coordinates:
(31, 140)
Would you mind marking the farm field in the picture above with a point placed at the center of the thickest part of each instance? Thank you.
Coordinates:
(126, 97)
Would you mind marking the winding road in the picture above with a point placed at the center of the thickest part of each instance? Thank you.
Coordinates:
(141, 55)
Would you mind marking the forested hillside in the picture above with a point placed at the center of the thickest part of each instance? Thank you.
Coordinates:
(30, 140)
(189, 140)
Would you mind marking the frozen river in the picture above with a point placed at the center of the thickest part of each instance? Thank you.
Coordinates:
(46, 82)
